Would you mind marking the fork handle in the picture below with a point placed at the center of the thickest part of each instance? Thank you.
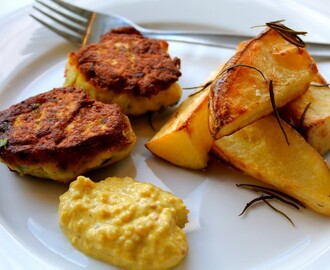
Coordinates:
(210, 39)
(229, 41)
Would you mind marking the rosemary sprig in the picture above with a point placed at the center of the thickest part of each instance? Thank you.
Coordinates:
(287, 33)
(275, 192)
(265, 198)
(270, 194)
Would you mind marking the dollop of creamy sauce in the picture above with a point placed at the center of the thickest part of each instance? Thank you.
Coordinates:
(124, 222)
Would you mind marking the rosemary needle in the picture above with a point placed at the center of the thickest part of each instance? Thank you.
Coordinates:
(278, 211)
(302, 118)
(276, 113)
(203, 87)
(258, 199)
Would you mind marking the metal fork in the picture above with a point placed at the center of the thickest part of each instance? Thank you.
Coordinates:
(83, 27)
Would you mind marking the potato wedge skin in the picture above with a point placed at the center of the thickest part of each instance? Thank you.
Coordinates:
(261, 151)
(240, 95)
(315, 125)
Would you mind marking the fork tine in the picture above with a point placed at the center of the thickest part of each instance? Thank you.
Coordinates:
(80, 11)
(66, 35)
(75, 19)
(63, 23)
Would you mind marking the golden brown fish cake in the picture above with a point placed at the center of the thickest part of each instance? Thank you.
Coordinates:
(63, 133)
(128, 69)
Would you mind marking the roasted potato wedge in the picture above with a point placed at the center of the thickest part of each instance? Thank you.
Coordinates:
(240, 95)
(185, 139)
(297, 169)
(310, 115)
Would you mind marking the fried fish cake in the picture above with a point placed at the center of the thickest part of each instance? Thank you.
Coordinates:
(128, 69)
(63, 133)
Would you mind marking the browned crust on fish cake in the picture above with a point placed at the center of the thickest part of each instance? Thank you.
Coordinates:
(144, 67)
(61, 126)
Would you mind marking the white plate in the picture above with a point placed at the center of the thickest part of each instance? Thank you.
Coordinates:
(32, 61)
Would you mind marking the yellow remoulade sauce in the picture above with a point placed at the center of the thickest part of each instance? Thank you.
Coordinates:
(124, 222)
